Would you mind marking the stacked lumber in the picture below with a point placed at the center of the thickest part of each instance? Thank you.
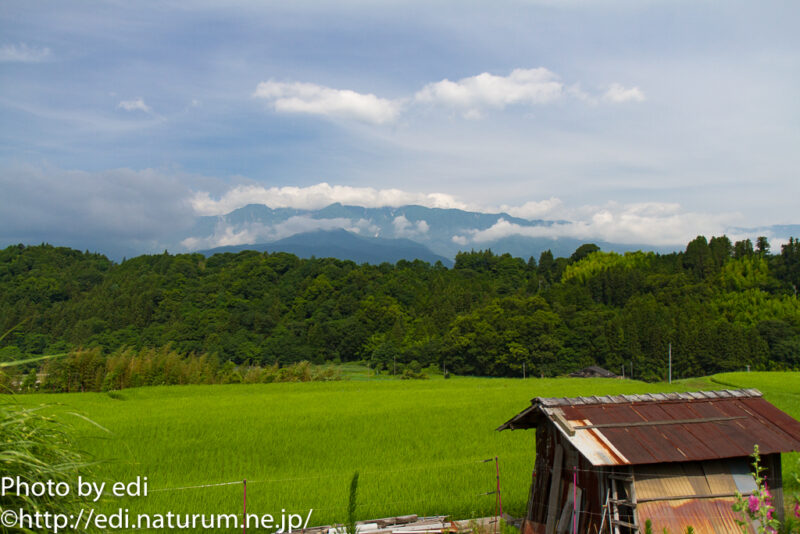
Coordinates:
(413, 524)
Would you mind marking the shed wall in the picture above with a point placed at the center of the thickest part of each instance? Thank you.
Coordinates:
(554, 475)
(658, 486)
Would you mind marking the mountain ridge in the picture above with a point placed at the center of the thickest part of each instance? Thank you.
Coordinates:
(441, 232)
(343, 245)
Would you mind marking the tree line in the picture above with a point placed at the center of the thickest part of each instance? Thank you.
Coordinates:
(720, 305)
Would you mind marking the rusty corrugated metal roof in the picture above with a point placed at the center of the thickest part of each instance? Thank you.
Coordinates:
(666, 427)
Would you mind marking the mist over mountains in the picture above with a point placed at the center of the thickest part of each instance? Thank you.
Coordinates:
(365, 234)
(375, 235)
(383, 234)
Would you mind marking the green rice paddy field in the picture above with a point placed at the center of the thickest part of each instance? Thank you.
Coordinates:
(418, 445)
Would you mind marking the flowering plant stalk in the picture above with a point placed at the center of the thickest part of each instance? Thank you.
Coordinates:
(757, 506)
(797, 495)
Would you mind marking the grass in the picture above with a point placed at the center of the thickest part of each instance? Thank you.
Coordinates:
(417, 445)
(15, 363)
(36, 447)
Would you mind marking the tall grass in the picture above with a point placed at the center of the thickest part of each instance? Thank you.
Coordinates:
(350, 525)
(38, 448)
(91, 370)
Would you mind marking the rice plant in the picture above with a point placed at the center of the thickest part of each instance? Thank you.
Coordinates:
(415, 444)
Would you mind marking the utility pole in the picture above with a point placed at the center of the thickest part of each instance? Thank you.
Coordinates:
(623, 370)
(523, 370)
(670, 363)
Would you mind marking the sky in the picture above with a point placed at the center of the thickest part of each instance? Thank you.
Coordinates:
(657, 120)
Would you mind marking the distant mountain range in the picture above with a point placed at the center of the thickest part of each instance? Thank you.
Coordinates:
(377, 235)
(343, 245)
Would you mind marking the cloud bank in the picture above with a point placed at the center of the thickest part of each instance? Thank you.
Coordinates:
(316, 197)
(124, 212)
(653, 223)
(226, 234)
(534, 209)
(118, 211)
(473, 95)
(659, 224)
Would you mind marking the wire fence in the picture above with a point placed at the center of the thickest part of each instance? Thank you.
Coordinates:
(540, 500)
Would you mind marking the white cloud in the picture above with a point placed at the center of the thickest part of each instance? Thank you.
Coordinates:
(226, 234)
(22, 53)
(646, 223)
(298, 97)
(472, 95)
(618, 94)
(653, 223)
(534, 209)
(656, 223)
(316, 197)
(405, 228)
(136, 104)
(522, 86)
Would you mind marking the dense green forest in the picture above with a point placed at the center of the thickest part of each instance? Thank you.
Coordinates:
(721, 306)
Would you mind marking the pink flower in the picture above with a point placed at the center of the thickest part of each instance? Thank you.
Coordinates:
(797, 509)
(753, 503)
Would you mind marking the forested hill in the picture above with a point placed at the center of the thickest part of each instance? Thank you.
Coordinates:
(721, 306)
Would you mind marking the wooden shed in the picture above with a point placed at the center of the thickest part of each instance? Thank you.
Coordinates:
(593, 371)
(677, 459)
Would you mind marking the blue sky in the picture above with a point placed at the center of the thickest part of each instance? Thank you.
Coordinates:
(634, 118)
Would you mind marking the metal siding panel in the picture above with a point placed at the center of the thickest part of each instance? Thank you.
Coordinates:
(697, 479)
(660, 480)
(719, 477)
(742, 475)
(663, 481)
(707, 516)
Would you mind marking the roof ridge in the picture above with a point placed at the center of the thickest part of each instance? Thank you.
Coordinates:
(649, 397)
